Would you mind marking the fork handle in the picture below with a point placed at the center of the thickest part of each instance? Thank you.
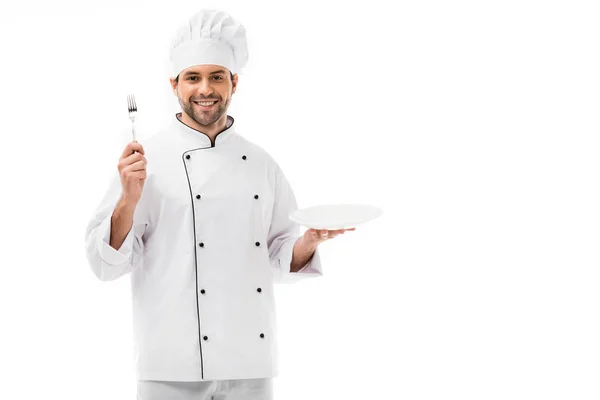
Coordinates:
(133, 132)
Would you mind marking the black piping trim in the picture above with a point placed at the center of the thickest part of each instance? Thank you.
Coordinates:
(212, 144)
(194, 226)
(195, 259)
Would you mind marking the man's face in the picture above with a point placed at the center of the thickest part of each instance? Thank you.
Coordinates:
(204, 83)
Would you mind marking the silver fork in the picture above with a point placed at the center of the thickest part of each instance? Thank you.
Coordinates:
(132, 107)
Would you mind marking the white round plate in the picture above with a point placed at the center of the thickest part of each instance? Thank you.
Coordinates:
(335, 216)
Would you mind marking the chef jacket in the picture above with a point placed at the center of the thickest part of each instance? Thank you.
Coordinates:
(210, 237)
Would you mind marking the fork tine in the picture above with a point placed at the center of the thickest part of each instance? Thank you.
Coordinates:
(128, 104)
(134, 103)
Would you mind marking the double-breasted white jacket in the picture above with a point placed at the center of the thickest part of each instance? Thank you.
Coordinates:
(210, 237)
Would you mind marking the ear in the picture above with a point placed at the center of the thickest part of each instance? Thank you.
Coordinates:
(235, 82)
(173, 85)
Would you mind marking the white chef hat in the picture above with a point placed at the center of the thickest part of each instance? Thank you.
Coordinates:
(209, 37)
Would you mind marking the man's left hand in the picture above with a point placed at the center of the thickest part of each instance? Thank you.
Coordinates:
(317, 236)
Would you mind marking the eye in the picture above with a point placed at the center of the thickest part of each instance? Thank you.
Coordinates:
(220, 78)
(191, 77)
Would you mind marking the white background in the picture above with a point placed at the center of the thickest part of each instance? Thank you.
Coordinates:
(472, 124)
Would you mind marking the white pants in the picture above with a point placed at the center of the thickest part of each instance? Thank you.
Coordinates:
(237, 389)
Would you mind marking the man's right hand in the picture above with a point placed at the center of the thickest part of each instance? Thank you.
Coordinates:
(132, 169)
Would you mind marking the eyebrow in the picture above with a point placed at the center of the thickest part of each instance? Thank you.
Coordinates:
(196, 73)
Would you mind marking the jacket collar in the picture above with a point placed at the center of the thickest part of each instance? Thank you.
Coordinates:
(196, 138)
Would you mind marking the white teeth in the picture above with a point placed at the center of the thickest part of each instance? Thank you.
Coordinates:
(205, 103)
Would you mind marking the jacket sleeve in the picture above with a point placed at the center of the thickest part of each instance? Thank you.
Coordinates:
(106, 262)
(283, 233)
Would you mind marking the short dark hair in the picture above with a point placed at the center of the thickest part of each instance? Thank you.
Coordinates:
(230, 74)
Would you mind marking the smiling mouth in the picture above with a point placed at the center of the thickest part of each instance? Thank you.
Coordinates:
(206, 104)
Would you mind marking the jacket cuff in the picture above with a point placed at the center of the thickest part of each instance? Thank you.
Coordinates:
(311, 269)
(107, 253)
(313, 266)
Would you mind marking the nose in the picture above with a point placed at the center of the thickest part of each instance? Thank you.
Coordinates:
(204, 87)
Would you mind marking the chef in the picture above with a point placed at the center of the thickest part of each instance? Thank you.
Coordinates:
(198, 217)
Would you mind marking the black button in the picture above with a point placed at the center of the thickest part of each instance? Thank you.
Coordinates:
(259, 290)
(197, 196)
(202, 291)
(243, 157)
(205, 338)
(257, 243)
(201, 244)
(187, 156)
(262, 335)
(256, 196)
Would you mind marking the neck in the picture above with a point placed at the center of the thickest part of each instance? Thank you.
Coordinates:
(211, 130)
